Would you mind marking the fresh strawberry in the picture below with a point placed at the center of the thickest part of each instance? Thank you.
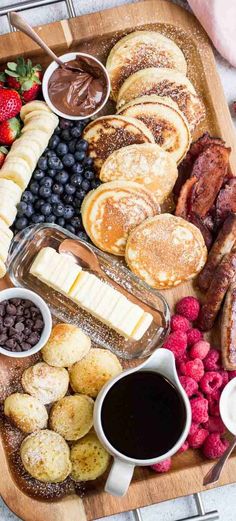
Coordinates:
(9, 130)
(2, 79)
(25, 78)
(3, 153)
(10, 104)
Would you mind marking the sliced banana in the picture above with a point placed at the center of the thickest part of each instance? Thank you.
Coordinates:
(17, 170)
(38, 114)
(5, 231)
(30, 152)
(2, 269)
(8, 210)
(89, 458)
(35, 136)
(4, 247)
(10, 189)
(45, 123)
(33, 106)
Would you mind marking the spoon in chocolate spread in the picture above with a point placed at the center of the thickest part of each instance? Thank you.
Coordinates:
(20, 23)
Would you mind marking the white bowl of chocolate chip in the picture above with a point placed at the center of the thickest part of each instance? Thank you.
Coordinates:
(25, 322)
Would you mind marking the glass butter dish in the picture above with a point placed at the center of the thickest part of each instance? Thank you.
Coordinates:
(27, 244)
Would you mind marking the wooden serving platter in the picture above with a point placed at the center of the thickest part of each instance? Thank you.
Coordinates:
(96, 34)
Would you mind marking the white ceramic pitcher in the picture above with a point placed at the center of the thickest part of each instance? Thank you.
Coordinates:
(162, 362)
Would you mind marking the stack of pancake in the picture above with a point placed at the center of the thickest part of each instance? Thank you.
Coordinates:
(136, 153)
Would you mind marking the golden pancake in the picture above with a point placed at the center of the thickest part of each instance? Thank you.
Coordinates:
(165, 251)
(146, 164)
(111, 211)
(108, 133)
(164, 82)
(166, 122)
(140, 50)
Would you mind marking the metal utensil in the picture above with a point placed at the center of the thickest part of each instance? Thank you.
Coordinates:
(214, 474)
(20, 23)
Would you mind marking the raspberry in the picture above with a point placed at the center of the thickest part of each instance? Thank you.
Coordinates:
(182, 359)
(199, 408)
(232, 374)
(193, 336)
(179, 323)
(214, 424)
(177, 343)
(197, 439)
(193, 368)
(184, 447)
(189, 307)
(212, 360)
(189, 384)
(200, 349)
(163, 466)
(210, 382)
(214, 446)
(213, 405)
(194, 427)
(215, 395)
(225, 378)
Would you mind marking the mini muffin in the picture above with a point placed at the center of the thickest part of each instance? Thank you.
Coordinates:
(111, 211)
(72, 416)
(89, 458)
(147, 164)
(165, 251)
(108, 133)
(67, 344)
(90, 374)
(46, 456)
(45, 382)
(26, 412)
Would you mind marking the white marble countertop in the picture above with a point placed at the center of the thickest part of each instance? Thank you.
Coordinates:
(222, 499)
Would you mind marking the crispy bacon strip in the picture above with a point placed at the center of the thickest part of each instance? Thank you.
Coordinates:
(185, 195)
(226, 202)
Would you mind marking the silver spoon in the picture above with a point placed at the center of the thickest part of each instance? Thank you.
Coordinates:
(214, 473)
(20, 23)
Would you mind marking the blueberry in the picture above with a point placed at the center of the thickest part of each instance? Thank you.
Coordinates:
(82, 145)
(70, 228)
(65, 135)
(57, 131)
(21, 208)
(45, 192)
(61, 221)
(55, 162)
(70, 189)
(76, 180)
(80, 155)
(38, 174)
(34, 187)
(50, 218)
(80, 125)
(62, 177)
(75, 132)
(88, 162)
(29, 211)
(27, 197)
(52, 172)
(80, 194)
(53, 142)
(77, 204)
(46, 208)
(77, 168)
(51, 153)
(21, 223)
(89, 174)
(95, 183)
(46, 181)
(68, 160)
(65, 123)
(55, 198)
(85, 185)
(57, 189)
(42, 163)
(68, 199)
(38, 218)
(62, 149)
(68, 212)
(38, 204)
(82, 235)
(58, 209)
(72, 145)
(76, 222)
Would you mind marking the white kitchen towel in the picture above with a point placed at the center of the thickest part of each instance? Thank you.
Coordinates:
(218, 17)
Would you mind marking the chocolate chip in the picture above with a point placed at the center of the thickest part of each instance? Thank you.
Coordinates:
(19, 327)
(19, 311)
(25, 346)
(11, 309)
(11, 331)
(11, 343)
(16, 301)
(2, 309)
(9, 321)
(19, 337)
(3, 338)
(38, 326)
(27, 313)
(33, 338)
(27, 331)
(29, 322)
(26, 303)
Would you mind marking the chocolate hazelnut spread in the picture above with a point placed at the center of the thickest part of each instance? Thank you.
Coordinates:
(79, 92)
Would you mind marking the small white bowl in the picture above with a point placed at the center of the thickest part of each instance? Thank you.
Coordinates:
(228, 406)
(26, 294)
(53, 66)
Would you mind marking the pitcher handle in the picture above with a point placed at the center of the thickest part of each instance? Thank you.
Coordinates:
(119, 478)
